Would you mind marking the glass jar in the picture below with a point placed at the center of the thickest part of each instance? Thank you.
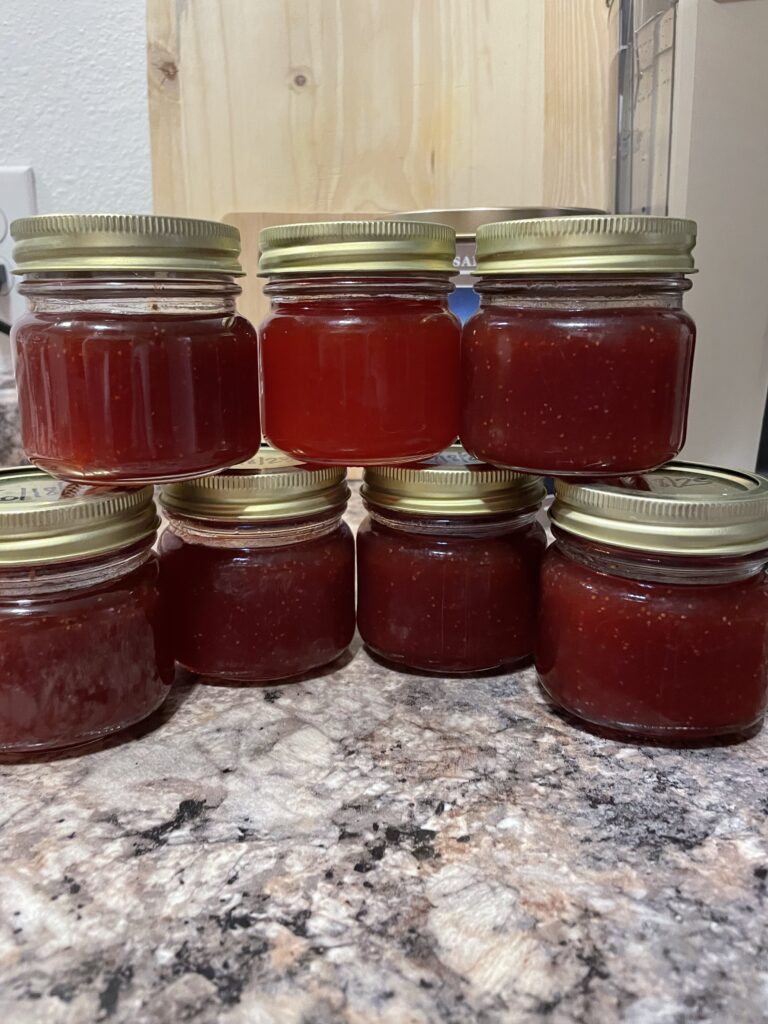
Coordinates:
(83, 649)
(448, 563)
(654, 604)
(257, 570)
(360, 353)
(578, 362)
(132, 364)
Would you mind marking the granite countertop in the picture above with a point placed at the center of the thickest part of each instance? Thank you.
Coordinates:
(368, 845)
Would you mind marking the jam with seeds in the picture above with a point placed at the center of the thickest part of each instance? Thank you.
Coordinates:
(449, 596)
(81, 655)
(258, 570)
(256, 611)
(668, 649)
(577, 377)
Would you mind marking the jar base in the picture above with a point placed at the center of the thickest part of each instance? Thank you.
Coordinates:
(567, 474)
(30, 751)
(358, 460)
(676, 737)
(106, 478)
(250, 679)
(498, 668)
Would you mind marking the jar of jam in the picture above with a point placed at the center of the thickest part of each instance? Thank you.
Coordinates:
(83, 649)
(132, 364)
(654, 604)
(360, 354)
(257, 570)
(578, 362)
(448, 563)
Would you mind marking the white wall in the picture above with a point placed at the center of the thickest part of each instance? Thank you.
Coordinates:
(719, 171)
(73, 102)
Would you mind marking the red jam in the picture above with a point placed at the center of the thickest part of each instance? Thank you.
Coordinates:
(136, 398)
(362, 372)
(660, 660)
(449, 596)
(263, 612)
(79, 661)
(570, 379)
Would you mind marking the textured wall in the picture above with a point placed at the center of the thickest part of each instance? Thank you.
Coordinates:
(73, 102)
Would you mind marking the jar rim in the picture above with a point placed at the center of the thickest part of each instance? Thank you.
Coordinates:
(356, 245)
(452, 483)
(77, 242)
(608, 243)
(683, 508)
(44, 520)
(269, 486)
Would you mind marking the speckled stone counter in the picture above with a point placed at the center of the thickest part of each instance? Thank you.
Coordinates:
(367, 845)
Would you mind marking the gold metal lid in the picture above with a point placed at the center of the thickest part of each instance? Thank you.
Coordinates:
(612, 244)
(466, 222)
(452, 483)
(680, 509)
(44, 520)
(369, 246)
(268, 486)
(124, 242)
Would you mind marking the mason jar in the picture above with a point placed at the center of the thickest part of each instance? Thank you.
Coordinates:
(257, 570)
(448, 563)
(360, 353)
(654, 604)
(83, 645)
(578, 362)
(132, 364)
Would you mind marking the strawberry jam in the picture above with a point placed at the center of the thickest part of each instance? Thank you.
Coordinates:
(654, 604)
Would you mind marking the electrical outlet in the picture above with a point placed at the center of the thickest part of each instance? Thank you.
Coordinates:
(17, 199)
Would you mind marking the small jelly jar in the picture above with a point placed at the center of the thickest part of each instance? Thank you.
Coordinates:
(258, 570)
(132, 364)
(654, 604)
(448, 564)
(360, 353)
(83, 648)
(578, 362)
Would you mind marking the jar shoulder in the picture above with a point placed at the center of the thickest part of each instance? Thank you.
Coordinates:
(80, 586)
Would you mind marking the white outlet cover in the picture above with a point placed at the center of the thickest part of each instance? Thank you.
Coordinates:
(17, 199)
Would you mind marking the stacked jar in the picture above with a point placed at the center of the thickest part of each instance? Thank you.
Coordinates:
(133, 368)
(653, 621)
(84, 649)
(578, 362)
(257, 569)
(448, 564)
(360, 353)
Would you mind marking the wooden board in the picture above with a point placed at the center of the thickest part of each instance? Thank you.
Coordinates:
(378, 105)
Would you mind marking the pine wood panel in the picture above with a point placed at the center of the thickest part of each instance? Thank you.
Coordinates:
(377, 105)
